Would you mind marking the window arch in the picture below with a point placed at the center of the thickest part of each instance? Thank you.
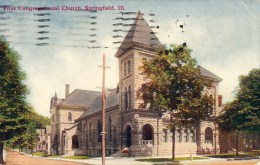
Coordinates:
(99, 130)
(179, 135)
(208, 135)
(69, 116)
(186, 136)
(192, 135)
(147, 132)
(129, 96)
(110, 128)
(75, 141)
(126, 98)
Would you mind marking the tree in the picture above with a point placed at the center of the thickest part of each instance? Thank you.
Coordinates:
(12, 95)
(244, 111)
(28, 139)
(176, 86)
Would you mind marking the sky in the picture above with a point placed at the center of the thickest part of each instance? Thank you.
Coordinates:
(59, 47)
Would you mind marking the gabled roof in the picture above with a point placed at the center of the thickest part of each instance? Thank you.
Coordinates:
(112, 100)
(204, 72)
(139, 34)
(80, 98)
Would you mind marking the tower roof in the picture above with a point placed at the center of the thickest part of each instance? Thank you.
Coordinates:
(140, 34)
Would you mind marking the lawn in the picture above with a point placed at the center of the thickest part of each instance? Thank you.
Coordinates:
(177, 159)
(241, 155)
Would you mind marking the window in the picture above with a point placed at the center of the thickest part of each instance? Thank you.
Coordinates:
(178, 135)
(110, 128)
(126, 98)
(99, 126)
(69, 116)
(129, 66)
(192, 135)
(208, 135)
(53, 118)
(147, 132)
(186, 135)
(129, 97)
(75, 141)
(124, 69)
(90, 129)
(165, 135)
(211, 109)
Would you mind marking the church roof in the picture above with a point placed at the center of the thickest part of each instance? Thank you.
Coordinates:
(140, 34)
(80, 98)
(204, 72)
(112, 100)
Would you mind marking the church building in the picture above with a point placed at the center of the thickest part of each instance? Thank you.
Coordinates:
(76, 123)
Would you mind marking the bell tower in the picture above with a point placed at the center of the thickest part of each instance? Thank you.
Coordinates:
(139, 44)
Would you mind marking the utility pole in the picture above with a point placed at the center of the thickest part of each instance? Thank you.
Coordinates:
(103, 112)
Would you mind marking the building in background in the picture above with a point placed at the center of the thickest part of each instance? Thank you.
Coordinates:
(44, 140)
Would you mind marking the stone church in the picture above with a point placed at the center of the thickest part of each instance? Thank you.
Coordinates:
(76, 123)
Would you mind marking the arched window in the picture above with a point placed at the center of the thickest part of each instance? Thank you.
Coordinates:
(147, 134)
(208, 135)
(99, 130)
(211, 109)
(69, 116)
(75, 141)
(165, 135)
(186, 135)
(90, 130)
(129, 66)
(110, 128)
(128, 135)
(124, 68)
(129, 96)
(192, 135)
(126, 98)
(179, 135)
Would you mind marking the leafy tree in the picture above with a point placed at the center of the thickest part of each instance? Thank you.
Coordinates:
(176, 86)
(244, 111)
(12, 95)
(28, 139)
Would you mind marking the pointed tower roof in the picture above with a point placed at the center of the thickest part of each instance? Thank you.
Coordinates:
(139, 35)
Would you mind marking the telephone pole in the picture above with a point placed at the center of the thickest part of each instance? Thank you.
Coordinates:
(103, 111)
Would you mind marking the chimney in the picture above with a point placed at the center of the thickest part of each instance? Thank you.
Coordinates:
(67, 90)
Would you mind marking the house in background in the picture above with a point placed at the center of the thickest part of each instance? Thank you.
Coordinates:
(44, 140)
(76, 123)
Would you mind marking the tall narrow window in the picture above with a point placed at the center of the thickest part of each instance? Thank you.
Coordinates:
(165, 135)
(69, 116)
(179, 135)
(186, 135)
(211, 109)
(126, 98)
(110, 128)
(129, 96)
(99, 130)
(192, 135)
(208, 135)
(129, 66)
(124, 68)
(90, 129)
